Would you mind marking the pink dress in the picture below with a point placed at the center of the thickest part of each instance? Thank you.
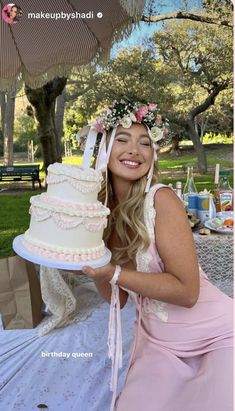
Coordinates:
(182, 357)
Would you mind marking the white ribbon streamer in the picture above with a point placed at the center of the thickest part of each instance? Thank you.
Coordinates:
(89, 148)
(101, 161)
(115, 347)
(150, 173)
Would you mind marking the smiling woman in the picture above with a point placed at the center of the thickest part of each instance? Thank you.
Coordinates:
(131, 155)
(131, 158)
(183, 336)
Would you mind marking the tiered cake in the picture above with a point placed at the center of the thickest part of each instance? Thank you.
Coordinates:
(67, 222)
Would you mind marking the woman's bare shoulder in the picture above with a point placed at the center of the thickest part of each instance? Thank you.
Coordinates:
(166, 200)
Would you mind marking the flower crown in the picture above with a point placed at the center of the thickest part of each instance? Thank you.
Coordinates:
(125, 113)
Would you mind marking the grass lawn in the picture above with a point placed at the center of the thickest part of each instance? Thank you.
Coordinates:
(14, 220)
(14, 217)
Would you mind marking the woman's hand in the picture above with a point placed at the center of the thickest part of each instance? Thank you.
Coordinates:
(102, 274)
(76, 272)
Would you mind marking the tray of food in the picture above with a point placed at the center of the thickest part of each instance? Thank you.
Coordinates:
(222, 223)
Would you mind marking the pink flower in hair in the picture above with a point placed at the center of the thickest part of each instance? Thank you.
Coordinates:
(99, 125)
(140, 113)
(152, 107)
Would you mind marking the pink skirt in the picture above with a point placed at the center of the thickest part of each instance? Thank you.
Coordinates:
(186, 363)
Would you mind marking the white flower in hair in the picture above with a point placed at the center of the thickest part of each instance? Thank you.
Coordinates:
(126, 122)
(133, 117)
(156, 134)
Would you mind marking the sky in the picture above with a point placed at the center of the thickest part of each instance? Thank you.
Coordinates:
(145, 30)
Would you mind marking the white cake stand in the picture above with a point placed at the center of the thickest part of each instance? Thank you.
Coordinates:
(23, 252)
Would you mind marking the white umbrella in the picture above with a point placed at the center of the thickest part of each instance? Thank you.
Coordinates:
(40, 40)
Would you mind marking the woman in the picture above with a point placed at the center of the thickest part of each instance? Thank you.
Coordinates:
(182, 353)
(11, 13)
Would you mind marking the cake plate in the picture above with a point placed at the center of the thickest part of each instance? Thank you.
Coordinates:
(23, 252)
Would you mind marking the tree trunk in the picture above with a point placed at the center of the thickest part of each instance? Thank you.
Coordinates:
(189, 123)
(8, 114)
(200, 151)
(203, 128)
(175, 144)
(43, 101)
(59, 117)
(46, 132)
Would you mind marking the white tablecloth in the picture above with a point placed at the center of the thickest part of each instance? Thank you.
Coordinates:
(29, 377)
(215, 254)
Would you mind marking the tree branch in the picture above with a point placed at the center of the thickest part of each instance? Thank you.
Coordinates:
(209, 101)
(189, 16)
(80, 92)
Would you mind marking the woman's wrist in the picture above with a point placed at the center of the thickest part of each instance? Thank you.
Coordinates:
(107, 274)
(116, 275)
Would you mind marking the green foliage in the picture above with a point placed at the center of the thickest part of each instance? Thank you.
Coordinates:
(211, 138)
(73, 121)
(198, 56)
(132, 74)
(76, 115)
(178, 69)
(24, 131)
(222, 9)
(219, 117)
(128, 73)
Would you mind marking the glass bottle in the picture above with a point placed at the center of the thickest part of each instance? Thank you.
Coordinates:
(178, 189)
(223, 193)
(189, 187)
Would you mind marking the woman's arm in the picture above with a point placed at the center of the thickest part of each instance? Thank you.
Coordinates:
(179, 284)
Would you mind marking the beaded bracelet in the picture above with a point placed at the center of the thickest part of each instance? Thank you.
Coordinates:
(116, 275)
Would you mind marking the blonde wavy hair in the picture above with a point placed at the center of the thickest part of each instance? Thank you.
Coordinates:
(127, 217)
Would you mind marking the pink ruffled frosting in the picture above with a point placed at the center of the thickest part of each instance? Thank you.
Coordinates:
(54, 255)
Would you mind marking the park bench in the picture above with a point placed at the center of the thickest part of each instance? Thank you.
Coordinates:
(20, 173)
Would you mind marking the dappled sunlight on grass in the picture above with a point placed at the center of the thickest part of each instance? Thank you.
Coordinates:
(9, 231)
(74, 160)
(201, 182)
(171, 161)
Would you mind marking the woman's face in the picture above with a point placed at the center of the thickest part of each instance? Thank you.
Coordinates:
(132, 153)
(13, 12)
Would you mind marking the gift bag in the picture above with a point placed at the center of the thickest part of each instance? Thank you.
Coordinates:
(20, 294)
